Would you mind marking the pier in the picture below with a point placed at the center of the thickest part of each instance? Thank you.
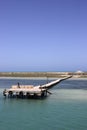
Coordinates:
(30, 91)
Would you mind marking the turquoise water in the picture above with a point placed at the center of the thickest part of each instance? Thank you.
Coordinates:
(65, 109)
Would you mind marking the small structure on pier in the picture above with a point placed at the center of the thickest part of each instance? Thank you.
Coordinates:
(30, 91)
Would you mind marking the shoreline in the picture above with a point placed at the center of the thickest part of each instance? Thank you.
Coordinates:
(42, 75)
(42, 78)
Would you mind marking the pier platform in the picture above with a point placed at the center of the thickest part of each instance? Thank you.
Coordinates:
(30, 91)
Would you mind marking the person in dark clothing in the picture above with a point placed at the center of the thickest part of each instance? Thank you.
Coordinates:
(18, 85)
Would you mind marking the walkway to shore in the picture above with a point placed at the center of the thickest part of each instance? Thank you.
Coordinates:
(51, 84)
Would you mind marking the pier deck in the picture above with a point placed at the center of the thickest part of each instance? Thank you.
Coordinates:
(30, 91)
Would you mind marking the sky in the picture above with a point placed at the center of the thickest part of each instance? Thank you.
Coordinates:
(43, 35)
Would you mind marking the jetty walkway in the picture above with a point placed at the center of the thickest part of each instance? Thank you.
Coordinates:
(30, 91)
(53, 83)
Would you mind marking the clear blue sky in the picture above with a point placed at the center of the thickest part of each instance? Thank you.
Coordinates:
(43, 35)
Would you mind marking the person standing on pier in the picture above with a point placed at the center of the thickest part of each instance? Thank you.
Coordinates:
(18, 85)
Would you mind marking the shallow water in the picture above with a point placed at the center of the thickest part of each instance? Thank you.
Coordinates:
(65, 109)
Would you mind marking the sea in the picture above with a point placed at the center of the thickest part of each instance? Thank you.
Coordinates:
(64, 109)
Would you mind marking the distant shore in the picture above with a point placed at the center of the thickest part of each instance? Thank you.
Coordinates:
(43, 74)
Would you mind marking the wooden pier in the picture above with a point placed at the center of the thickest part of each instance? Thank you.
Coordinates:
(30, 91)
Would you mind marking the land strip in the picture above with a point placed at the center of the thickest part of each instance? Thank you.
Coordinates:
(44, 74)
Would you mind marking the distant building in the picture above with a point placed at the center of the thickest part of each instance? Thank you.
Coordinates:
(79, 72)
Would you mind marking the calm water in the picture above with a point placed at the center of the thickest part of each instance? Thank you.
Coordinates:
(65, 109)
